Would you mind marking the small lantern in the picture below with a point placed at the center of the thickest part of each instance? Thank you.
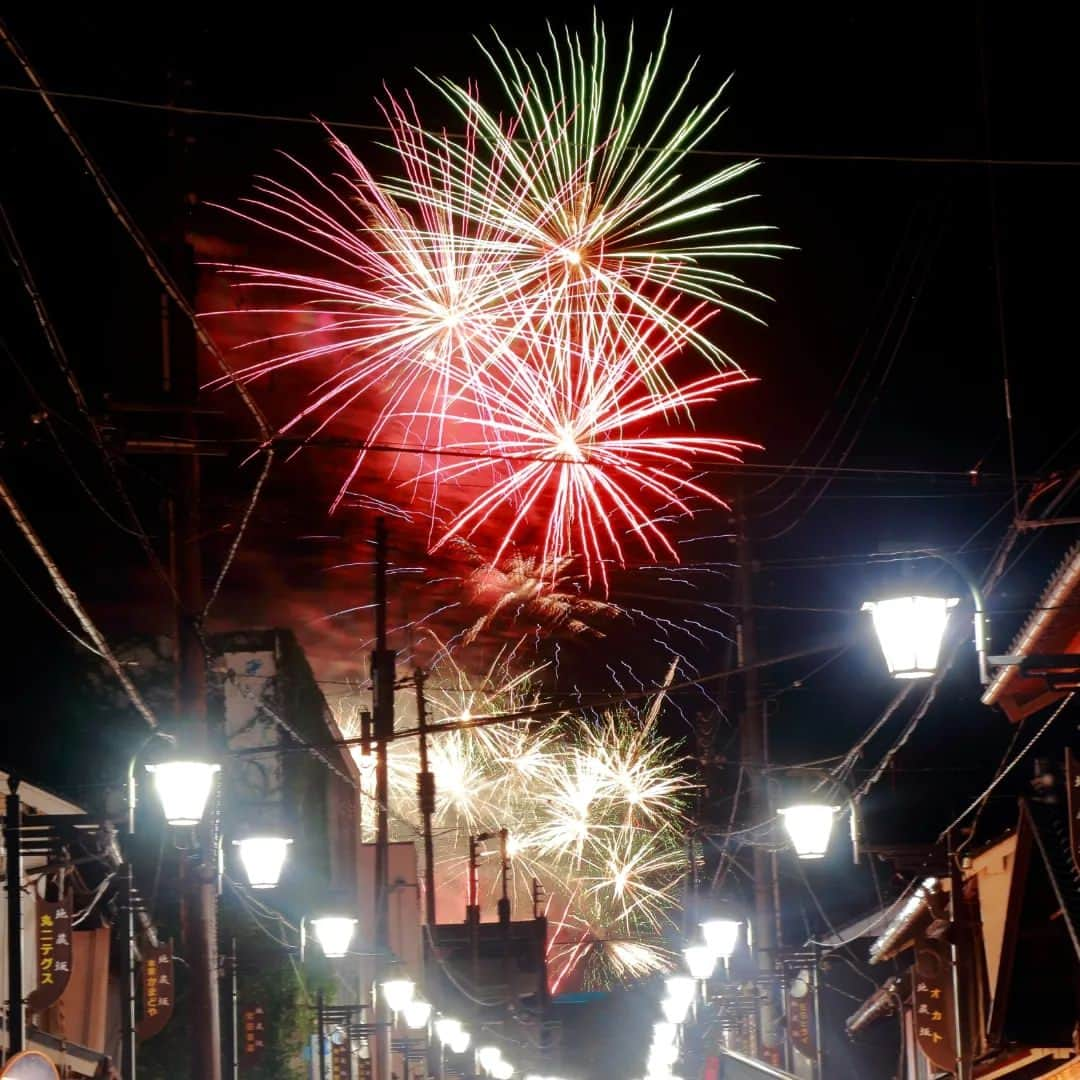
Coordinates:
(183, 787)
(446, 1029)
(263, 858)
(664, 1033)
(675, 1009)
(809, 825)
(398, 993)
(910, 630)
(680, 988)
(416, 1013)
(721, 936)
(487, 1056)
(700, 961)
(460, 1042)
(335, 934)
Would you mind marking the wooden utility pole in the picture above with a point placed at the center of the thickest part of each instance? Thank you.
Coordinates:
(382, 680)
(425, 790)
(755, 756)
(199, 908)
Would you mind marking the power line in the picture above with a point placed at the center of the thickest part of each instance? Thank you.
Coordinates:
(68, 595)
(382, 129)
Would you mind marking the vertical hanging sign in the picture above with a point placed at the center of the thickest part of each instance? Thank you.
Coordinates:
(157, 987)
(801, 1016)
(340, 1056)
(53, 952)
(253, 1034)
(934, 1018)
(1072, 788)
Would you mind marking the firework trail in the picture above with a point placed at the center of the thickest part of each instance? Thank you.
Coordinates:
(595, 814)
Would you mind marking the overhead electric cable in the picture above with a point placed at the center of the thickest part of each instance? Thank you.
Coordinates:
(356, 125)
(67, 594)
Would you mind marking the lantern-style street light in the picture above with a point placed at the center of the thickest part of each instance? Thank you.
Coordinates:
(334, 934)
(700, 961)
(416, 1013)
(459, 1042)
(398, 993)
(487, 1057)
(446, 1028)
(809, 825)
(675, 1009)
(721, 936)
(910, 630)
(263, 858)
(183, 787)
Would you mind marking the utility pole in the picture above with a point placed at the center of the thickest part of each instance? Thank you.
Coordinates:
(755, 755)
(382, 680)
(199, 909)
(425, 790)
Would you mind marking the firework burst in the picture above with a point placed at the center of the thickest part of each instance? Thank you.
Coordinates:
(585, 179)
(513, 297)
(594, 812)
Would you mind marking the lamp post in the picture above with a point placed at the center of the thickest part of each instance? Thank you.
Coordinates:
(911, 628)
(263, 858)
(334, 934)
(184, 787)
(809, 826)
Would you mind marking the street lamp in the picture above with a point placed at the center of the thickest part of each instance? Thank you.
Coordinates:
(700, 961)
(721, 936)
(447, 1029)
(183, 787)
(398, 993)
(459, 1043)
(416, 1013)
(910, 630)
(334, 934)
(680, 988)
(809, 826)
(675, 1009)
(664, 1033)
(487, 1056)
(263, 858)
(502, 1070)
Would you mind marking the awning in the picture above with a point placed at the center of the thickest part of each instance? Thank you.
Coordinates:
(1052, 629)
(735, 1066)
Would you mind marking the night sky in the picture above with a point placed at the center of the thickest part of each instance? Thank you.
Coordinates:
(883, 349)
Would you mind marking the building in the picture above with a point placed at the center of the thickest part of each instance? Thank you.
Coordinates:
(1016, 917)
(77, 1030)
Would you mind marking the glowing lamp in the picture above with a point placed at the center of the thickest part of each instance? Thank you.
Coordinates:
(809, 826)
(680, 988)
(700, 961)
(460, 1042)
(675, 1009)
(263, 858)
(334, 933)
(910, 630)
(447, 1029)
(502, 1070)
(487, 1056)
(721, 936)
(664, 1033)
(416, 1013)
(183, 787)
(398, 993)
(663, 1055)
